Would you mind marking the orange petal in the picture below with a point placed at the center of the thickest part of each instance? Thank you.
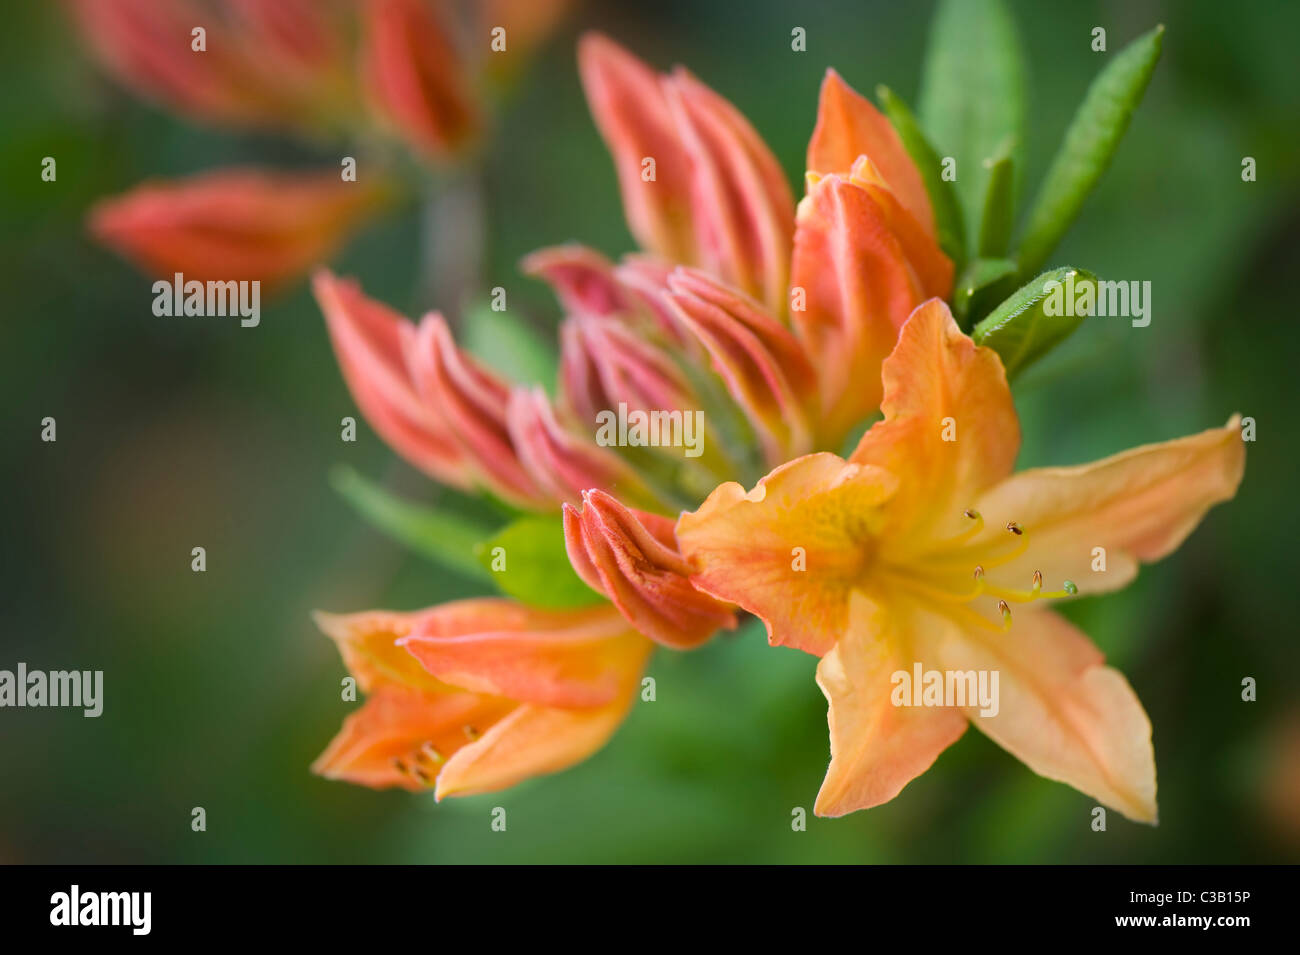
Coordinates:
(877, 748)
(416, 75)
(1137, 506)
(531, 741)
(574, 658)
(950, 430)
(368, 643)
(859, 288)
(848, 126)
(633, 116)
(234, 224)
(791, 550)
(632, 558)
(742, 206)
(368, 341)
(763, 364)
(1060, 710)
(404, 737)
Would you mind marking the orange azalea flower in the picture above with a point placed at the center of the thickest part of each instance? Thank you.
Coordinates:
(704, 317)
(923, 548)
(476, 695)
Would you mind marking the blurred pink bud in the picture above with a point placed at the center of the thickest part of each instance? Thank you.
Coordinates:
(257, 62)
(416, 75)
(243, 224)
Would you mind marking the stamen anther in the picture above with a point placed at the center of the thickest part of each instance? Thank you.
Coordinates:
(1038, 583)
(471, 732)
(978, 572)
(1071, 588)
(1006, 614)
(1015, 528)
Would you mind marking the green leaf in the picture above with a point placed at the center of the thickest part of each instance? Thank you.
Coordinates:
(444, 538)
(973, 93)
(536, 564)
(1089, 145)
(508, 344)
(943, 197)
(1021, 330)
(978, 286)
(999, 207)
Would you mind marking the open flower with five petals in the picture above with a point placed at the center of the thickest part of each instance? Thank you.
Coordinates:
(923, 548)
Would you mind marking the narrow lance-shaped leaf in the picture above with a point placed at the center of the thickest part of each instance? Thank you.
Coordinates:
(973, 93)
(1090, 142)
(527, 560)
(999, 206)
(943, 197)
(1038, 317)
(446, 539)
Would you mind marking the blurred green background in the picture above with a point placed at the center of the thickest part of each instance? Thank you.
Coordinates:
(219, 692)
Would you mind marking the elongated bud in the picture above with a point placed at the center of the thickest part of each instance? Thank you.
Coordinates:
(761, 362)
(417, 77)
(632, 114)
(148, 45)
(236, 224)
(368, 341)
(632, 558)
(473, 403)
(743, 208)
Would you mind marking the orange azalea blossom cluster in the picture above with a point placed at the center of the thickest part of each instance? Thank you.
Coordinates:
(320, 69)
(801, 322)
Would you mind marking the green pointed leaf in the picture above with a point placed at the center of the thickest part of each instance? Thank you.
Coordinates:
(1033, 320)
(444, 538)
(976, 289)
(504, 341)
(973, 93)
(999, 207)
(527, 560)
(943, 197)
(1089, 145)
